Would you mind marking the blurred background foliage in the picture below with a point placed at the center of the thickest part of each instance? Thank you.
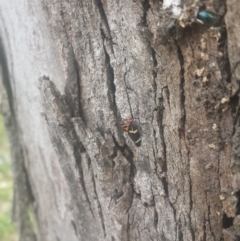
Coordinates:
(7, 230)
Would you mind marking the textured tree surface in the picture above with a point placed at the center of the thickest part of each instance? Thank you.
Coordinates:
(72, 70)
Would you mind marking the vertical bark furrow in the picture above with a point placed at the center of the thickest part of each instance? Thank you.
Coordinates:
(146, 7)
(81, 177)
(164, 149)
(126, 89)
(154, 74)
(105, 23)
(99, 205)
(191, 222)
(80, 106)
(182, 91)
(204, 229)
(209, 223)
(110, 79)
(237, 194)
(74, 227)
(4, 73)
(67, 145)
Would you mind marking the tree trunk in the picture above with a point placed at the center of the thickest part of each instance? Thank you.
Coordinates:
(73, 70)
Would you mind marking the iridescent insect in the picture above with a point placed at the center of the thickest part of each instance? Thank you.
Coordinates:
(131, 128)
(208, 18)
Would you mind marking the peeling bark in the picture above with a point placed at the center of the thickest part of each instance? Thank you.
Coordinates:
(72, 70)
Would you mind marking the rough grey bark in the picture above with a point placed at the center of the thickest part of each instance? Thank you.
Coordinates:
(71, 70)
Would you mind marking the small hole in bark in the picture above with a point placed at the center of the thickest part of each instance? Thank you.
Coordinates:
(208, 75)
(196, 83)
(145, 204)
(226, 221)
(237, 194)
(234, 103)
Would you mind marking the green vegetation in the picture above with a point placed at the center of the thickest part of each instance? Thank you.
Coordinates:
(7, 230)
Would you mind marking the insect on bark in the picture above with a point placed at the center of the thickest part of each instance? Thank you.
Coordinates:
(132, 129)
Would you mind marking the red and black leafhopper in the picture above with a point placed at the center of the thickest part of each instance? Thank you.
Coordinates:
(131, 128)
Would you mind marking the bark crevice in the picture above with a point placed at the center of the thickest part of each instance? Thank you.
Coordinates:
(99, 203)
(110, 78)
(204, 229)
(66, 142)
(209, 222)
(182, 91)
(125, 83)
(146, 7)
(227, 222)
(154, 73)
(81, 177)
(78, 80)
(160, 117)
(105, 26)
(6, 78)
(237, 194)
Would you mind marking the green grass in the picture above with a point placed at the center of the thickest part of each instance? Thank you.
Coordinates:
(7, 230)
